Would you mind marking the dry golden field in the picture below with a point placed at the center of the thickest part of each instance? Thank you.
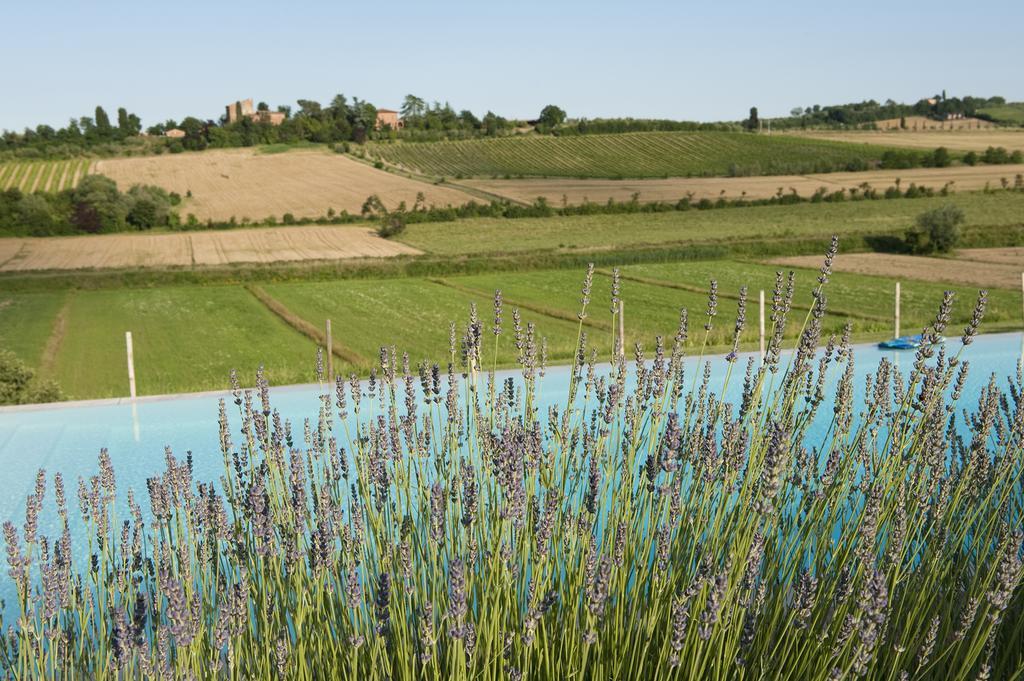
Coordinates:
(1001, 266)
(964, 178)
(242, 183)
(920, 123)
(956, 140)
(187, 249)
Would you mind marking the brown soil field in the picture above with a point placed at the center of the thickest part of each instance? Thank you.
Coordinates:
(956, 140)
(242, 183)
(964, 178)
(187, 249)
(1002, 266)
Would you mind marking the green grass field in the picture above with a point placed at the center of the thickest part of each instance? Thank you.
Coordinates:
(1011, 112)
(866, 301)
(185, 339)
(582, 233)
(189, 338)
(413, 315)
(43, 176)
(632, 155)
(26, 321)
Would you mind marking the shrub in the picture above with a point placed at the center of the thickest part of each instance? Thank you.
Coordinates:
(19, 385)
(393, 224)
(936, 230)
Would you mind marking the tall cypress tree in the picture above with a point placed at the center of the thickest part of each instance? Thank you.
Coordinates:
(102, 121)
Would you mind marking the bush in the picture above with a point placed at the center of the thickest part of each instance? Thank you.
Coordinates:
(18, 383)
(936, 230)
(393, 224)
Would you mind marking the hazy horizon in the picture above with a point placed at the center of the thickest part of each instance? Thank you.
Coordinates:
(648, 60)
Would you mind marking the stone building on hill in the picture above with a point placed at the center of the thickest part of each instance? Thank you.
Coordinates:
(388, 117)
(243, 108)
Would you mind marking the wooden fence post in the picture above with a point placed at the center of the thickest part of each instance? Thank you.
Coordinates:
(760, 344)
(897, 310)
(330, 353)
(131, 363)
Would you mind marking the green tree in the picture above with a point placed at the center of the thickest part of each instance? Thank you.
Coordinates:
(752, 121)
(97, 205)
(551, 116)
(413, 107)
(34, 212)
(102, 122)
(936, 230)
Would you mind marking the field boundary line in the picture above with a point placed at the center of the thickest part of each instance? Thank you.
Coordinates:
(20, 253)
(723, 294)
(305, 328)
(539, 309)
(56, 338)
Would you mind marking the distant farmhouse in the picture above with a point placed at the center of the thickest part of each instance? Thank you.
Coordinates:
(243, 109)
(388, 117)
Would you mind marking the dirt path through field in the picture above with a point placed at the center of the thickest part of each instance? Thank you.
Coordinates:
(56, 339)
(1002, 266)
(187, 249)
(964, 178)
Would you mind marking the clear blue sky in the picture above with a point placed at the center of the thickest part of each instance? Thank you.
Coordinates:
(642, 58)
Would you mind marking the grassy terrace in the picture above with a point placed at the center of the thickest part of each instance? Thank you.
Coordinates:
(634, 155)
(721, 226)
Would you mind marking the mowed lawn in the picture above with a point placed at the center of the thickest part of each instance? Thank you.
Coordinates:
(414, 315)
(186, 339)
(722, 225)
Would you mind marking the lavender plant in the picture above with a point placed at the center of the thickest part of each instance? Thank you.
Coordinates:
(445, 523)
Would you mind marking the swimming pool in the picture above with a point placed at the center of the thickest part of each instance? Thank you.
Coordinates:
(68, 438)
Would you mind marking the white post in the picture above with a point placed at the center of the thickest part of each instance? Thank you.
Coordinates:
(330, 353)
(760, 344)
(131, 363)
(621, 347)
(897, 310)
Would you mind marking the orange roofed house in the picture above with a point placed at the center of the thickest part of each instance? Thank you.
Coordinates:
(388, 117)
(243, 109)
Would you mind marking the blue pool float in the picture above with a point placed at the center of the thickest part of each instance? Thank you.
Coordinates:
(906, 342)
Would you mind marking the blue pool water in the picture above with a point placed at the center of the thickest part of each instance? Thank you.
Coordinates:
(67, 439)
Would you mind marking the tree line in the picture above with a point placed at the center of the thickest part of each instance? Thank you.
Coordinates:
(95, 206)
(938, 107)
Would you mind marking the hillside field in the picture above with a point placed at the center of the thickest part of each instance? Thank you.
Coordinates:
(954, 140)
(246, 184)
(192, 249)
(724, 226)
(1011, 112)
(43, 176)
(576, 191)
(627, 155)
